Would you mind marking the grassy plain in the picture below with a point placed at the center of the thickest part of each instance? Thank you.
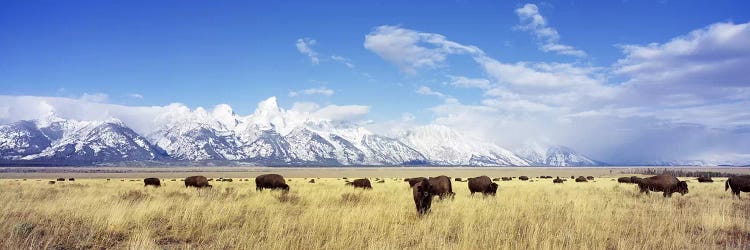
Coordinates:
(122, 214)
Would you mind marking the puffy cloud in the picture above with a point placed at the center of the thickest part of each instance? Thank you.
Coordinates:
(411, 50)
(424, 90)
(135, 96)
(465, 82)
(533, 22)
(95, 97)
(346, 112)
(304, 46)
(313, 91)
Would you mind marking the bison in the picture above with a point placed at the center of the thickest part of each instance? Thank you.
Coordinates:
(624, 180)
(482, 184)
(360, 183)
(71, 179)
(557, 180)
(312, 181)
(591, 178)
(422, 192)
(152, 182)
(414, 180)
(507, 179)
(705, 179)
(523, 178)
(60, 179)
(51, 182)
(495, 179)
(270, 181)
(663, 183)
(581, 179)
(197, 181)
(441, 186)
(738, 184)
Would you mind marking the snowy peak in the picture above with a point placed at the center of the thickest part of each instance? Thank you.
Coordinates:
(445, 146)
(553, 155)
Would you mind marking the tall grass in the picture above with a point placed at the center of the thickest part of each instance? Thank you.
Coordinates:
(94, 213)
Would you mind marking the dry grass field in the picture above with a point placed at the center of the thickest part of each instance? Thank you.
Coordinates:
(100, 214)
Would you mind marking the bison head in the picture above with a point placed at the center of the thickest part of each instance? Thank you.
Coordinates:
(284, 186)
(682, 187)
(422, 196)
(492, 189)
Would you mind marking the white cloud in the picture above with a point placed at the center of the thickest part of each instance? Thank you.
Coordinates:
(95, 97)
(533, 22)
(347, 112)
(411, 50)
(135, 96)
(313, 91)
(343, 60)
(304, 46)
(465, 82)
(424, 90)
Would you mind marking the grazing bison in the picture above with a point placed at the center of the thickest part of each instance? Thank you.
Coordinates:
(414, 180)
(635, 179)
(60, 179)
(591, 178)
(482, 184)
(422, 196)
(270, 181)
(581, 179)
(441, 186)
(360, 183)
(705, 179)
(197, 181)
(523, 178)
(152, 182)
(458, 179)
(663, 183)
(624, 180)
(381, 181)
(495, 179)
(51, 182)
(557, 180)
(738, 184)
(71, 179)
(507, 179)
(312, 181)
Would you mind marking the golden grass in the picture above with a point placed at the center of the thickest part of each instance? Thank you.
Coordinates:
(94, 213)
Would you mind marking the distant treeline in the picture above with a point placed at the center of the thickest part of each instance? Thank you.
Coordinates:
(678, 172)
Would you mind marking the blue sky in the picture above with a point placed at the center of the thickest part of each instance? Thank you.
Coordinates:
(153, 53)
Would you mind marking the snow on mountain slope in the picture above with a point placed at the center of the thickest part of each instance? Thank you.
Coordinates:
(56, 139)
(444, 146)
(553, 155)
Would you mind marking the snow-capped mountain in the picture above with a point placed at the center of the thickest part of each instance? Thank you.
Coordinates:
(54, 139)
(553, 155)
(269, 136)
(444, 146)
(272, 135)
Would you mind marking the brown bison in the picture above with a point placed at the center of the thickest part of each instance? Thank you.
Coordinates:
(591, 178)
(523, 178)
(197, 181)
(71, 179)
(738, 184)
(360, 183)
(482, 184)
(422, 196)
(312, 181)
(663, 183)
(581, 179)
(557, 180)
(705, 179)
(507, 179)
(152, 182)
(51, 182)
(624, 180)
(458, 179)
(441, 186)
(495, 179)
(270, 181)
(60, 179)
(414, 180)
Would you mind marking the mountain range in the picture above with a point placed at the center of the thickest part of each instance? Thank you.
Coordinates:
(269, 136)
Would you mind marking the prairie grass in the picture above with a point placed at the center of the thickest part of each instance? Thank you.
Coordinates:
(94, 213)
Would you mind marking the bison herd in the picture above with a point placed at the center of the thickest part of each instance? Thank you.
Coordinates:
(424, 189)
